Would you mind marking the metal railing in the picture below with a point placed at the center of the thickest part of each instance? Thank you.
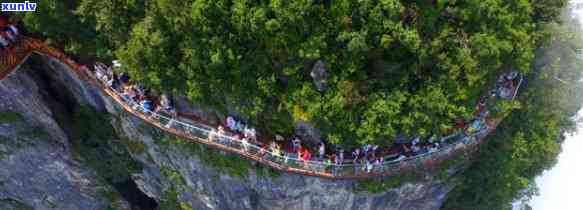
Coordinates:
(289, 162)
(451, 145)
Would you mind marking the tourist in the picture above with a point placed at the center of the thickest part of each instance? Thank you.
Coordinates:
(240, 126)
(251, 134)
(285, 158)
(99, 72)
(3, 42)
(279, 138)
(274, 148)
(245, 144)
(166, 105)
(11, 36)
(369, 165)
(510, 76)
(272, 145)
(110, 82)
(415, 141)
(129, 92)
(230, 122)
(379, 163)
(306, 156)
(415, 149)
(212, 135)
(332, 159)
(140, 90)
(322, 150)
(114, 82)
(84, 68)
(434, 147)
(221, 134)
(355, 155)
(401, 157)
(262, 150)
(147, 104)
(277, 151)
(124, 78)
(13, 29)
(365, 149)
(116, 63)
(296, 143)
(341, 156)
(374, 150)
(300, 152)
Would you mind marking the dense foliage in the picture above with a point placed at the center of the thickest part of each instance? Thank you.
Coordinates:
(529, 140)
(395, 66)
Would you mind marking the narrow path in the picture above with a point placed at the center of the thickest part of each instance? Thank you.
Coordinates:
(11, 59)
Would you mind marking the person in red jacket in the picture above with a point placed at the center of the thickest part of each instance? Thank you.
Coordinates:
(306, 156)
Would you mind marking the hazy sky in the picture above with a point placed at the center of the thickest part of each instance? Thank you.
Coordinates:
(561, 188)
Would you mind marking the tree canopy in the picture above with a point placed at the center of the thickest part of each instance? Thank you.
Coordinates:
(529, 140)
(396, 67)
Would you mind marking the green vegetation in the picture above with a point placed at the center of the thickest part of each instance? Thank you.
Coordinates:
(136, 147)
(266, 171)
(225, 163)
(170, 202)
(382, 185)
(173, 176)
(95, 143)
(529, 140)
(228, 164)
(395, 66)
(9, 117)
(443, 173)
(34, 133)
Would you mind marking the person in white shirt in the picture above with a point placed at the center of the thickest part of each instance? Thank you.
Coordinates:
(250, 133)
(245, 144)
(231, 123)
(14, 29)
(212, 135)
(322, 150)
(3, 42)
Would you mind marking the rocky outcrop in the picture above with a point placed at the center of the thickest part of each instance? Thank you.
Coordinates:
(37, 169)
(173, 170)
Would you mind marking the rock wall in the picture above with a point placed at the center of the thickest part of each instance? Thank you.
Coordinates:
(37, 169)
(173, 170)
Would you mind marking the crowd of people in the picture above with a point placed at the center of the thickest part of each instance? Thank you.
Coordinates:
(8, 33)
(367, 158)
(137, 93)
(505, 85)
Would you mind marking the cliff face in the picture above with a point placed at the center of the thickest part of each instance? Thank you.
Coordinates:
(37, 170)
(173, 171)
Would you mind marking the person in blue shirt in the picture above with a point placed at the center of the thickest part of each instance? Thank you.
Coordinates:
(147, 104)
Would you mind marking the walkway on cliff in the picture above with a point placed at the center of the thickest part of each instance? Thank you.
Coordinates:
(462, 142)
